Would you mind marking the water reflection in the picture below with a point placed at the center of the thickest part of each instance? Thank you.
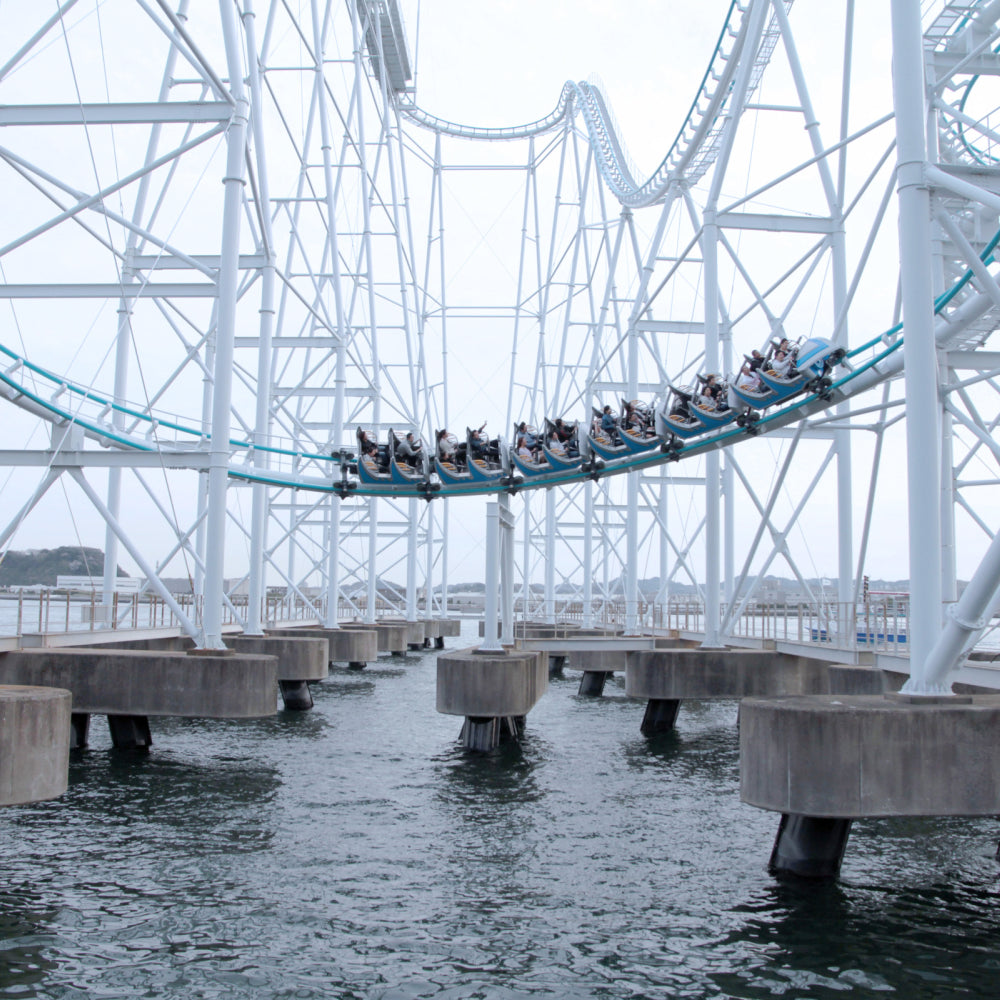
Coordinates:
(26, 916)
(821, 938)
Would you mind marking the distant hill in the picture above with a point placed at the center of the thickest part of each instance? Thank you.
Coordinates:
(42, 566)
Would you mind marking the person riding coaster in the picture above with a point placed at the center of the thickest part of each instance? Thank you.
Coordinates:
(794, 368)
(563, 438)
(408, 462)
(373, 459)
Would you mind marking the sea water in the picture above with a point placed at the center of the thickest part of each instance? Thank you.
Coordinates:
(356, 851)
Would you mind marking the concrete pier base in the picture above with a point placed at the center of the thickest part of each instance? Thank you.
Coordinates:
(592, 683)
(556, 663)
(301, 659)
(149, 682)
(485, 734)
(490, 689)
(34, 743)
(130, 732)
(701, 673)
(391, 636)
(437, 629)
(844, 757)
(79, 734)
(660, 716)
(353, 644)
(295, 695)
(810, 846)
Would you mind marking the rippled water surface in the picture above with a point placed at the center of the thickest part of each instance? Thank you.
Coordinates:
(356, 851)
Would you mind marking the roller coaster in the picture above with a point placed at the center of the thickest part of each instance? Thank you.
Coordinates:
(292, 358)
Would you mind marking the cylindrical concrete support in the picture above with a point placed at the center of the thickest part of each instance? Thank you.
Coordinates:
(34, 743)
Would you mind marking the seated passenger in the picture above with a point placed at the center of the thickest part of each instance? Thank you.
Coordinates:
(781, 365)
(609, 424)
(410, 449)
(716, 393)
(449, 449)
(748, 380)
(556, 446)
(523, 451)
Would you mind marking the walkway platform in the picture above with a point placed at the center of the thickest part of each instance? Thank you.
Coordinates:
(130, 685)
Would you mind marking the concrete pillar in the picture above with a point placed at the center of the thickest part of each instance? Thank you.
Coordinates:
(130, 732)
(822, 761)
(592, 683)
(79, 730)
(488, 690)
(295, 695)
(34, 743)
(660, 716)
(810, 846)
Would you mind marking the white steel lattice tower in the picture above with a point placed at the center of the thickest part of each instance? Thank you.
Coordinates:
(236, 240)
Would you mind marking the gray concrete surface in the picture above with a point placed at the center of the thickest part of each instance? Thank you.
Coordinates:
(34, 743)
(151, 682)
(853, 756)
(721, 673)
(490, 684)
(300, 657)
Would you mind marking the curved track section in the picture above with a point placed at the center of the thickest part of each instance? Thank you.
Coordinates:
(697, 142)
(61, 401)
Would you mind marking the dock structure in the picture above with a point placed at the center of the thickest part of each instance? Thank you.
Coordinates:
(130, 685)
(302, 660)
(353, 645)
(822, 761)
(493, 691)
(34, 743)
(436, 630)
(392, 636)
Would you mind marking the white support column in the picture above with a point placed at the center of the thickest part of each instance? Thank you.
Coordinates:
(429, 565)
(218, 475)
(588, 555)
(256, 585)
(923, 435)
(507, 523)
(710, 254)
(411, 560)
(372, 554)
(550, 557)
(332, 616)
(663, 593)
(491, 641)
(632, 555)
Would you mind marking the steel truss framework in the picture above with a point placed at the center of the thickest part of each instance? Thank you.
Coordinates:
(214, 345)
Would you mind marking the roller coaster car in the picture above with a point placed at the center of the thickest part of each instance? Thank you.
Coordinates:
(485, 456)
(373, 460)
(561, 446)
(450, 459)
(638, 426)
(538, 464)
(608, 445)
(405, 470)
(675, 417)
(814, 359)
